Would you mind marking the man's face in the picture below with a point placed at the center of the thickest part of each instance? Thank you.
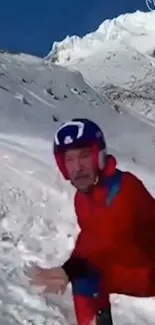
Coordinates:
(79, 164)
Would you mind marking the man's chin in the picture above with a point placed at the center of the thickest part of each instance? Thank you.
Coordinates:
(82, 186)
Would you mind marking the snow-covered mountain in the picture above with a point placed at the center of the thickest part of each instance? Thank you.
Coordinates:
(38, 223)
(117, 60)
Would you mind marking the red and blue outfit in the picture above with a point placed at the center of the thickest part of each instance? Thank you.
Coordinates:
(114, 252)
(117, 238)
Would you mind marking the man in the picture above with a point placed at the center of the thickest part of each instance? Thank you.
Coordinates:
(114, 252)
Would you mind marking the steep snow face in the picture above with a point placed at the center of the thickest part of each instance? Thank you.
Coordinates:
(37, 96)
(123, 47)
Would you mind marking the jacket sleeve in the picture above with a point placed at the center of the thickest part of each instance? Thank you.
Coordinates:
(144, 222)
(76, 267)
(120, 278)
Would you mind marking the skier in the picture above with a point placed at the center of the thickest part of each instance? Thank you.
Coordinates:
(114, 252)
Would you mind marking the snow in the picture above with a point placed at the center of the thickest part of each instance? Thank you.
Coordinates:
(129, 29)
(132, 311)
(123, 47)
(38, 222)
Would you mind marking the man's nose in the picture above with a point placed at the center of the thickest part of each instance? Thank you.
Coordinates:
(77, 164)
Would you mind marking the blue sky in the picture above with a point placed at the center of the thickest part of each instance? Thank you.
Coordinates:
(31, 26)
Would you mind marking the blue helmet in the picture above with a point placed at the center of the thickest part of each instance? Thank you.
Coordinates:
(79, 133)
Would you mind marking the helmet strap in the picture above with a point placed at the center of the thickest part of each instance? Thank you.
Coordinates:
(101, 159)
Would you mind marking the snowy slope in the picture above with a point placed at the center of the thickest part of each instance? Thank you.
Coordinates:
(123, 47)
(38, 222)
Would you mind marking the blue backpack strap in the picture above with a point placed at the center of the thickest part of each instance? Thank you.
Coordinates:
(113, 184)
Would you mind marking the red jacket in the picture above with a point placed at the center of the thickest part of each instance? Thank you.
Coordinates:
(119, 239)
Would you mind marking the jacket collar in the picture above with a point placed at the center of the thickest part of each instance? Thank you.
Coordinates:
(98, 191)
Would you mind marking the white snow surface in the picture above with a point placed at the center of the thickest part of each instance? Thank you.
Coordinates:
(38, 222)
(118, 60)
(135, 30)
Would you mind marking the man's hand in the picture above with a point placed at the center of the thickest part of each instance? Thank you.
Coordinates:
(54, 279)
